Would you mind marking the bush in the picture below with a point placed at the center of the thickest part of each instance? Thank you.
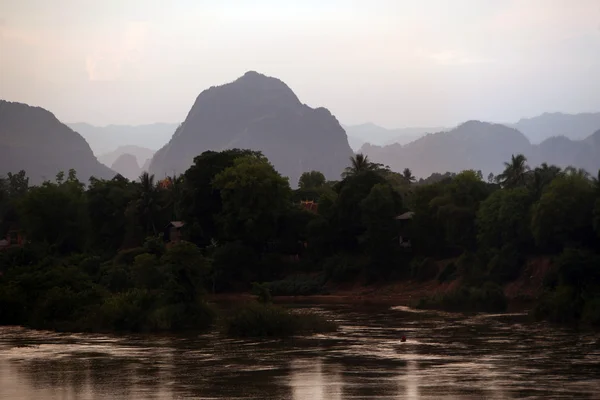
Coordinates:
(423, 269)
(487, 298)
(506, 265)
(267, 320)
(344, 268)
(299, 285)
(126, 311)
(127, 257)
(561, 305)
(591, 312)
(448, 273)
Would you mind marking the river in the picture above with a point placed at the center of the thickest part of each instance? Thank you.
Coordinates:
(446, 356)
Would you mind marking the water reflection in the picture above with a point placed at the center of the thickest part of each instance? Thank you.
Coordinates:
(446, 356)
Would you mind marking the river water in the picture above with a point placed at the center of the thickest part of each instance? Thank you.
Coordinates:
(446, 356)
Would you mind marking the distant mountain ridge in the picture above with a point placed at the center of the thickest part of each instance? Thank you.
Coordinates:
(259, 113)
(484, 146)
(547, 125)
(34, 140)
(141, 154)
(105, 139)
(377, 135)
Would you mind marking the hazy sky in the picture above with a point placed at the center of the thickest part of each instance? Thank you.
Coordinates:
(396, 63)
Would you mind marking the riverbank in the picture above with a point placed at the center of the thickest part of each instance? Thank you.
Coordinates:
(520, 293)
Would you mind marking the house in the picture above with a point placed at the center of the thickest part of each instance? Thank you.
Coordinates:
(172, 232)
(15, 237)
(405, 228)
(309, 205)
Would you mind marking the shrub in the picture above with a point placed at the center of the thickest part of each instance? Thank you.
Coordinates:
(267, 320)
(126, 311)
(298, 285)
(561, 305)
(127, 256)
(487, 298)
(506, 265)
(591, 312)
(448, 273)
(344, 268)
(424, 269)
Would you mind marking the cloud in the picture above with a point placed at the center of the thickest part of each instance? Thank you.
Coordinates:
(115, 58)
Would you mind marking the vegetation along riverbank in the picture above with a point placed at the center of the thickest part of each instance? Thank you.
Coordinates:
(148, 255)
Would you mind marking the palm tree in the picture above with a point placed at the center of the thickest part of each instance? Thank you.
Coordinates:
(147, 204)
(577, 172)
(542, 176)
(360, 163)
(408, 176)
(515, 172)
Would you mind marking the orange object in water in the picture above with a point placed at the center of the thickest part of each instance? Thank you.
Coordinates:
(403, 339)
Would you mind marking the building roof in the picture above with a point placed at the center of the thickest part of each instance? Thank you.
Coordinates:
(177, 224)
(406, 215)
(3, 243)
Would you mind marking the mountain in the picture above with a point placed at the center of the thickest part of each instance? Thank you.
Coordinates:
(104, 139)
(141, 154)
(127, 165)
(547, 125)
(375, 134)
(484, 146)
(472, 145)
(260, 113)
(32, 139)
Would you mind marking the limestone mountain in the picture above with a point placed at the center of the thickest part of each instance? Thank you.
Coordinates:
(141, 154)
(472, 145)
(259, 113)
(105, 139)
(34, 140)
(547, 125)
(127, 166)
(484, 146)
(377, 135)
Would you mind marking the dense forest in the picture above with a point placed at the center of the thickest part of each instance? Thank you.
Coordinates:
(107, 255)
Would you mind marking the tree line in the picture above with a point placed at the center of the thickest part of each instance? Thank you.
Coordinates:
(95, 253)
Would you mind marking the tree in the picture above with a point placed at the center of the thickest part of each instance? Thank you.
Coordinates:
(147, 206)
(107, 202)
(55, 214)
(515, 172)
(580, 172)
(360, 163)
(491, 178)
(200, 199)
(253, 197)
(542, 176)
(564, 213)
(408, 176)
(378, 211)
(503, 218)
(311, 180)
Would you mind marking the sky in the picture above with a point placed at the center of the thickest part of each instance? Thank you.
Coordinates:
(397, 63)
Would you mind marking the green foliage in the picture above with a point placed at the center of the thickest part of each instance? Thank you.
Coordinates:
(262, 292)
(486, 298)
(297, 285)
(344, 267)
(503, 218)
(423, 269)
(563, 216)
(561, 305)
(448, 273)
(506, 264)
(253, 197)
(311, 180)
(264, 320)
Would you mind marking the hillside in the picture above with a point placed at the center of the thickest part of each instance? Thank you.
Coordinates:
(141, 154)
(127, 166)
(105, 139)
(547, 125)
(32, 139)
(260, 113)
(471, 145)
(377, 135)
